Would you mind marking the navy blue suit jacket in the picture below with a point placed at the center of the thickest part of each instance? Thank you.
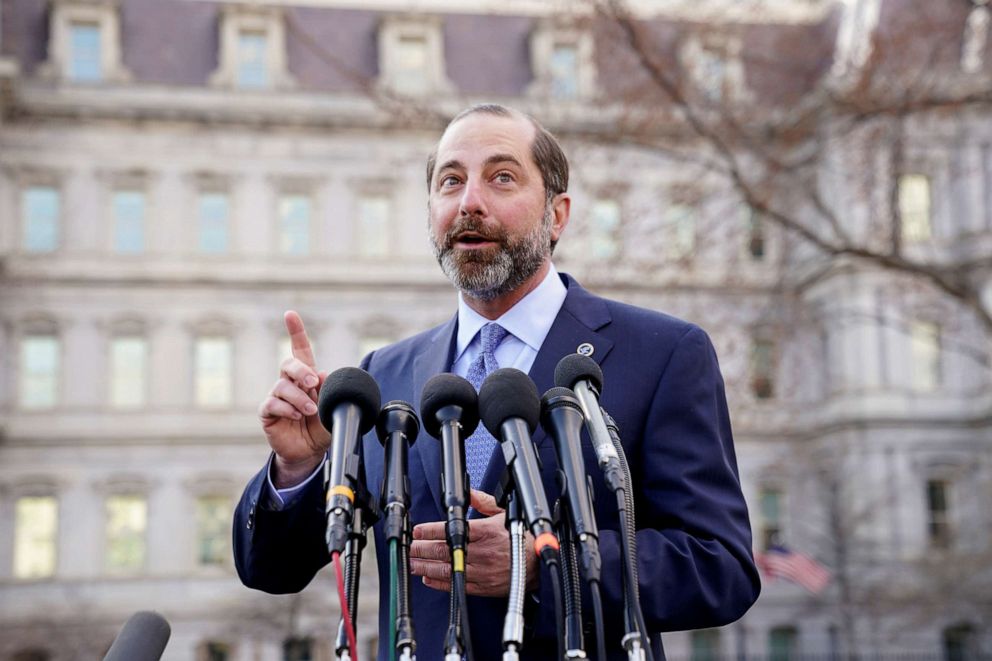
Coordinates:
(662, 384)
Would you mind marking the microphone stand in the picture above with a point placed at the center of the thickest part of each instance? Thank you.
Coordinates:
(513, 624)
(366, 514)
(635, 640)
(574, 643)
(458, 640)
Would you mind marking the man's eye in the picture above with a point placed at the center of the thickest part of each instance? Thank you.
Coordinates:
(504, 177)
(449, 180)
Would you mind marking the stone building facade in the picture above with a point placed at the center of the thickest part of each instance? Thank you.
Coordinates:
(174, 174)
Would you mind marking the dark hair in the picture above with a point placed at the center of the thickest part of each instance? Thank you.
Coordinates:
(545, 150)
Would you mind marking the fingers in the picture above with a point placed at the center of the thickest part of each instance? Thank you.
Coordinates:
(288, 392)
(484, 503)
(303, 375)
(434, 551)
(429, 531)
(298, 339)
(273, 408)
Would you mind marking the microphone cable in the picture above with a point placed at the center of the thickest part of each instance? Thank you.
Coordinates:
(628, 538)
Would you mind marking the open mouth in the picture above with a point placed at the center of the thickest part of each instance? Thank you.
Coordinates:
(472, 240)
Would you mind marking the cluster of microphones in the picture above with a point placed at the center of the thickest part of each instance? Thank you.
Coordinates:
(564, 538)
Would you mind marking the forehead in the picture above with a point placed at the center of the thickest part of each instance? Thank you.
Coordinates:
(474, 138)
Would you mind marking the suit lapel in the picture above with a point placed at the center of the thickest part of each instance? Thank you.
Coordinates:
(581, 316)
(434, 359)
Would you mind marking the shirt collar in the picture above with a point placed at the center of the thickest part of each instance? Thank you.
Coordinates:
(529, 320)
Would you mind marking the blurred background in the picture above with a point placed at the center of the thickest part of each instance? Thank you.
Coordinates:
(809, 180)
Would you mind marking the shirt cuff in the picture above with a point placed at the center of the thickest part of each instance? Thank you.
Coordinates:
(282, 498)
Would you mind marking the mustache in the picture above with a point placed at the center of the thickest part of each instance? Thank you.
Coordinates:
(493, 233)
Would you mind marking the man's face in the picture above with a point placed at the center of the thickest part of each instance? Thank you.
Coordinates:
(490, 224)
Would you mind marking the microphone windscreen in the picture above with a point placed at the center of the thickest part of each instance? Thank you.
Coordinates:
(508, 393)
(449, 390)
(397, 415)
(574, 368)
(142, 638)
(349, 385)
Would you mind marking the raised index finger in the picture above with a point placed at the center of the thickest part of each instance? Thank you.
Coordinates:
(298, 339)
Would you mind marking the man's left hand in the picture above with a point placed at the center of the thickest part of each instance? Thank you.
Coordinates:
(487, 559)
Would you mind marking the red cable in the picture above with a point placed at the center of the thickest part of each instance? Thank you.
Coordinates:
(348, 628)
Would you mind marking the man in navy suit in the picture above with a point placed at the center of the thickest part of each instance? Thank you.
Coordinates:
(498, 205)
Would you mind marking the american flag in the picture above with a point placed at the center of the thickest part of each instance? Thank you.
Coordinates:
(780, 562)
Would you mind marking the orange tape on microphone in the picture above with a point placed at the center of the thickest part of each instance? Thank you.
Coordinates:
(545, 539)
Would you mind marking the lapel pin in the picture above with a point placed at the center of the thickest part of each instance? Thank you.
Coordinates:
(585, 349)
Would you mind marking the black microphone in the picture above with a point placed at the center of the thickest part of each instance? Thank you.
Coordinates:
(397, 429)
(142, 638)
(585, 378)
(347, 406)
(449, 408)
(561, 417)
(510, 408)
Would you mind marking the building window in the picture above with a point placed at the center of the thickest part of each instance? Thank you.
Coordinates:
(960, 643)
(40, 211)
(129, 221)
(604, 226)
(712, 74)
(754, 228)
(252, 59)
(127, 521)
(914, 207)
(294, 224)
(783, 644)
(85, 58)
(36, 522)
(84, 44)
(924, 337)
(373, 225)
(411, 55)
(715, 65)
(213, 223)
(763, 368)
(252, 48)
(770, 504)
(938, 514)
(40, 360)
(213, 530)
(705, 645)
(562, 61)
(128, 371)
(213, 360)
(297, 649)
(680, 219)
(213, 651)
(563, 71)
(412, 75)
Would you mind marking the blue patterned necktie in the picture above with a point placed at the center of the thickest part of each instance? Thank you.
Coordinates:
(480, 445)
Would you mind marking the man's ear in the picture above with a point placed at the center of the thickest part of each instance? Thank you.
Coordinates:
(561, 207)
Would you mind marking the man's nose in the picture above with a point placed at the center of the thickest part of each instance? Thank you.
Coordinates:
(473, 201)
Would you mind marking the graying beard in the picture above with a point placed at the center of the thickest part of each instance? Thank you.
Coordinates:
(509, 269)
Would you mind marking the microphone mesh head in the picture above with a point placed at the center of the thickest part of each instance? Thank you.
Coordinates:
(574, 368)
(349, 385)
(508, 393)
(397, 415)
(449, 390)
